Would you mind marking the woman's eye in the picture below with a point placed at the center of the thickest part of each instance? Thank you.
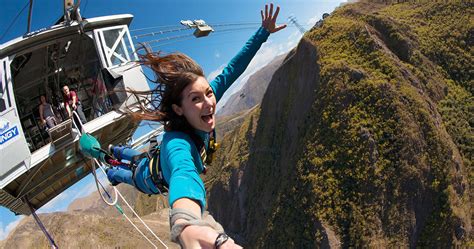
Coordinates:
(194, 99)
(210, 93)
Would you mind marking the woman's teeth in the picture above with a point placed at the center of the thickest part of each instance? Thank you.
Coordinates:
(207, 118)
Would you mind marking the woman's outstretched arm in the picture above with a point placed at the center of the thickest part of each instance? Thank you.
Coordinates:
(240, 62)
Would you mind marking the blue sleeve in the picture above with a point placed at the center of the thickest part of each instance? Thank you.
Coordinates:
(184, 181)
(239, 63)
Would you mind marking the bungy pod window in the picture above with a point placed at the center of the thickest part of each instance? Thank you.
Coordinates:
(41, 72)
(115, 45)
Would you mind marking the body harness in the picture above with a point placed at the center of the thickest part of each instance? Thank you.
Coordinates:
(154, 164)
(207, 156)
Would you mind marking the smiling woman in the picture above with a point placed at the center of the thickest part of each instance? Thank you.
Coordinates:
(185, 102)
(198, 105)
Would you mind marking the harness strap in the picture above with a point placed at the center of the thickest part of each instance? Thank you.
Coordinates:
(153, 147)
(155, 167)
(150, 188)
(136, 160)
(157, 173)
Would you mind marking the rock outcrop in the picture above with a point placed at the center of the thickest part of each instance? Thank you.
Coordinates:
(364, 137)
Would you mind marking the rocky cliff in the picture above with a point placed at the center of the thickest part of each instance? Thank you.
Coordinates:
(363, 139)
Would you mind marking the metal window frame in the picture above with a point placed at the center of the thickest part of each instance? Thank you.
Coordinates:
(107, 53)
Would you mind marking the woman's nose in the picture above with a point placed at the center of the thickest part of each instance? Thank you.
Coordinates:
(208, 101)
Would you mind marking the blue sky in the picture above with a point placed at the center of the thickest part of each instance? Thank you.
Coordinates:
(212, 52)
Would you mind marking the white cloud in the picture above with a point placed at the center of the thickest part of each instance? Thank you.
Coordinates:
(217, 54)
(3, 234)
(347, 2)
(4, 231)
(313, 20)
(293, 39)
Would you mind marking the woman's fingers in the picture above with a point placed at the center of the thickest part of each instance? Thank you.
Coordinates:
(277, 11)
(279, 28)
(269, 19)
(266, 11)
(270, 14)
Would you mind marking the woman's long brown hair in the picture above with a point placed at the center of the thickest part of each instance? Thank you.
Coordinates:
(173, 73)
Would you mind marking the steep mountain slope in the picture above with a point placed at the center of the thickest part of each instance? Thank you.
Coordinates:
(364, 137)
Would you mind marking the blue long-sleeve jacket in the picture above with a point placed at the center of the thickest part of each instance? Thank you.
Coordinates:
(179, 157)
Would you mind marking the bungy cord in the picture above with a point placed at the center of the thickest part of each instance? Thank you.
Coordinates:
(117, 192)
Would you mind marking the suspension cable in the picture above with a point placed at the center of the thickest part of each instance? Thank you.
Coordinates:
(117, 192)
(160, 32)
(235, 24)
(212, 25)
(219, 32)
(14, 20)
(176, 29)
(174, 39)
(191, 35)
(167, 38)
(154, 27)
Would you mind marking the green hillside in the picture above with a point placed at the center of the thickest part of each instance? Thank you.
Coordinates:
(379, 154)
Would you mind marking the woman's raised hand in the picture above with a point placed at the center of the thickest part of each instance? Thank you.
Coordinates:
(269, 19)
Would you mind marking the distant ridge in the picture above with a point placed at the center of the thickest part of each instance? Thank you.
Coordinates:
(253, 89)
